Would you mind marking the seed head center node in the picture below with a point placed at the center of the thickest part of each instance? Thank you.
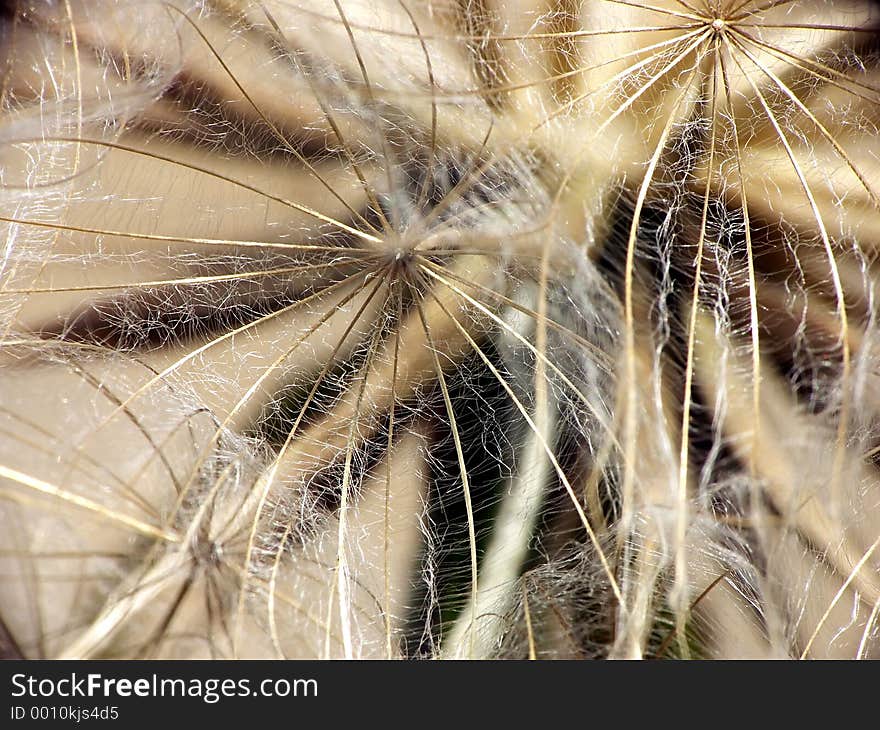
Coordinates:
(401, 256)
(718, 24)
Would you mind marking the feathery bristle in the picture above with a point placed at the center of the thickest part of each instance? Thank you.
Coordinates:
(422, 328)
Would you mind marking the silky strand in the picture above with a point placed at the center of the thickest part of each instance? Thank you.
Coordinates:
(439, 329)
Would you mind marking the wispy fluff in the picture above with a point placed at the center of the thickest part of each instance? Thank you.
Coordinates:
(425, 328)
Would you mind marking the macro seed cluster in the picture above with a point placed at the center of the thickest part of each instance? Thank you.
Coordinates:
(439, 328)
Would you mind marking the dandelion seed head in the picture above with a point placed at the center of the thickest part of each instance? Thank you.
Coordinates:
(391, 329)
